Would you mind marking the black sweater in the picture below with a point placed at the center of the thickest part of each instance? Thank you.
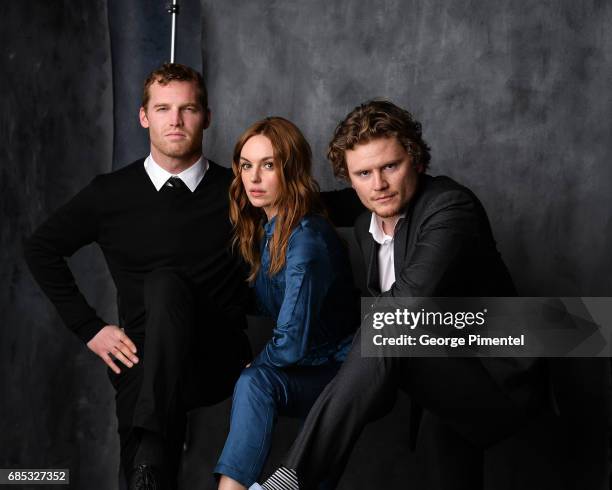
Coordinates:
(140, 229)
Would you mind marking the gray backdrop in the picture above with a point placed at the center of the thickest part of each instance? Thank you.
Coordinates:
(56, 125)
(514, 100)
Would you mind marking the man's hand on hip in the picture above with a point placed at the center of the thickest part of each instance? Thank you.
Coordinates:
(113, 340)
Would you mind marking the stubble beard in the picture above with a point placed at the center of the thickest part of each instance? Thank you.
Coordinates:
(180, 150)
(386, 211)
(387, 214)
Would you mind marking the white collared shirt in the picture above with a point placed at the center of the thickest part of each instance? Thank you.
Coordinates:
(386, 264)
(191, 177)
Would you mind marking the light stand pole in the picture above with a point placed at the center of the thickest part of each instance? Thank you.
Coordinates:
(173, 9)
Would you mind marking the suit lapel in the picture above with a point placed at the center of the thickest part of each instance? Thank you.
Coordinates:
(399, 245)
(373, 276)
(402, 229)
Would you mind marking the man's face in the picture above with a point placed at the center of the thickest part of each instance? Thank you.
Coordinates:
(176, 120)
(383, 175)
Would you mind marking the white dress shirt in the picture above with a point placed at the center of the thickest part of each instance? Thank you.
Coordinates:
(386, 265)
(191, 177)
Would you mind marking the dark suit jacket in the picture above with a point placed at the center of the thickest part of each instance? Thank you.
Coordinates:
(444, 247)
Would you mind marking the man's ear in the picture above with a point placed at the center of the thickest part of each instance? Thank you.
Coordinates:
(207, 118)
(142, 115)
(418, 167)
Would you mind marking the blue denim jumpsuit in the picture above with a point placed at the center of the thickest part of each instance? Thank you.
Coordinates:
(316, 307)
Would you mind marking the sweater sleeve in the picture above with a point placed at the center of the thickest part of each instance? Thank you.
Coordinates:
(71, 227)
(308, 277)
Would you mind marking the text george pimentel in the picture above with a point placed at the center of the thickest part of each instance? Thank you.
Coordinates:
(458, 320)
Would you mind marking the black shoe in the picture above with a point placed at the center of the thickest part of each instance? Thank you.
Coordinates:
(147, 477)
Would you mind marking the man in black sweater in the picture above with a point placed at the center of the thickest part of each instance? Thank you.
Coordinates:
(162, 224)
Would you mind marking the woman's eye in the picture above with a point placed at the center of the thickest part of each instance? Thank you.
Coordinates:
(245, 165)
(268, 165)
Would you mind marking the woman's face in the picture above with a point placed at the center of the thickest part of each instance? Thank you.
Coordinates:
(259, 175)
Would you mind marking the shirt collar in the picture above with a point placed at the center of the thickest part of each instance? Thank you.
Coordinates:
(269, 226)
(191, 176)
(376, 230)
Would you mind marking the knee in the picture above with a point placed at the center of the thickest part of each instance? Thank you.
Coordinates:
(257, 383)
(163, 285)
(361, 377)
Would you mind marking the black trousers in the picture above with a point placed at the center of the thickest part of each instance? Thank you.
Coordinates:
(465, 411)
(189, 357)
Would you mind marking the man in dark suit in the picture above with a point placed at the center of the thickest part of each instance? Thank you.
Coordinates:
(162, 224)
(423, 237)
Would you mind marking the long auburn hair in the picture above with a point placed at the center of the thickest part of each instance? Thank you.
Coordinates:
(298, 194)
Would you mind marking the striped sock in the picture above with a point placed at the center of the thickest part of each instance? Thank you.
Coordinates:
(282, 479)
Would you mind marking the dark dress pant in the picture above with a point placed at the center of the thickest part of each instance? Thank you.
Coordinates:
(465, 411)
(189, 357)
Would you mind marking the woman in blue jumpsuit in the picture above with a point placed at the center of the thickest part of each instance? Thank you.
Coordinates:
(302, 278)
